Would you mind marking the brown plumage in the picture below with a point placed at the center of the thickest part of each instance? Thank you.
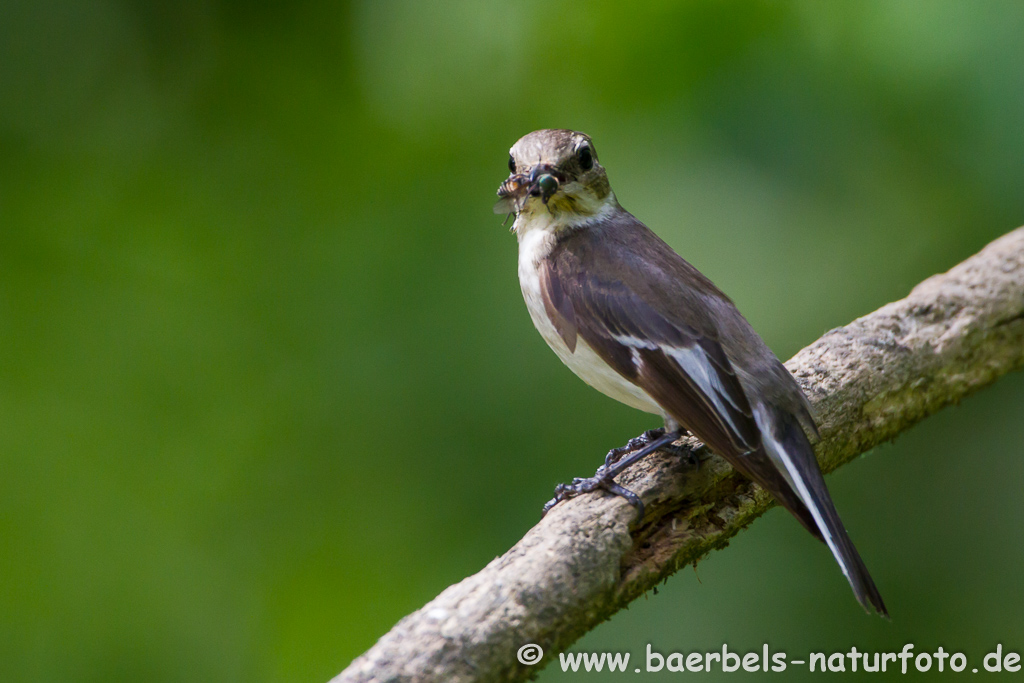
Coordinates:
(635, 320)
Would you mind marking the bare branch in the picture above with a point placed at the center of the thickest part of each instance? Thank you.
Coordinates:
(868, 381)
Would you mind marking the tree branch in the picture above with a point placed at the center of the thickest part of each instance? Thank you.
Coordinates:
(868, 381)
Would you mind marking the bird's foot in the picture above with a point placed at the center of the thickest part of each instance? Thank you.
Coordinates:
(600, 480)
(615, 462)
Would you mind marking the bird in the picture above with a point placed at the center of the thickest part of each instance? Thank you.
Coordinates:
(637, 322)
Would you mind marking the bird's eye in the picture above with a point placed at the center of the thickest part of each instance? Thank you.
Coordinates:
(585, 157)
(511, 164)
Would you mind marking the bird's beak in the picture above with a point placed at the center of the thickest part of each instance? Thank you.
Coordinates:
(542, 181)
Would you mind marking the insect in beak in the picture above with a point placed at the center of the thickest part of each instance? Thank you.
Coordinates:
(545, 186)
(517, 187)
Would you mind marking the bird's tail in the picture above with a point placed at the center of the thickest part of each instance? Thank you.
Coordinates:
(808, 499)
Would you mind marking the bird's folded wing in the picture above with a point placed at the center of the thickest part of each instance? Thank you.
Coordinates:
(682, 368)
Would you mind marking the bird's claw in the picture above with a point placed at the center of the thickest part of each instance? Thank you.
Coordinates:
(615, 462)
(600, 480)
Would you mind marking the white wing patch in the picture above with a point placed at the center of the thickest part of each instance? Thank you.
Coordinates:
(695, 363)
(634, 342)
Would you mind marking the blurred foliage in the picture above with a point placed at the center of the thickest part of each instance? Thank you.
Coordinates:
(267, 383)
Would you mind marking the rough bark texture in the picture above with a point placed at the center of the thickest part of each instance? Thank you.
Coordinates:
(868, 381)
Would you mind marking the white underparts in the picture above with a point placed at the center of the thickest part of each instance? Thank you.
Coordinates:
(535, 243)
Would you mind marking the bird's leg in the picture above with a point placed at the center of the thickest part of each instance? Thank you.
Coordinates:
(636, 442)
(615, 463)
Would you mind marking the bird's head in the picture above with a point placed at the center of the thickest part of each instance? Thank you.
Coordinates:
(555, 172)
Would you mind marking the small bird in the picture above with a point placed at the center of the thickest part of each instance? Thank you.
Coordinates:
(635, 321)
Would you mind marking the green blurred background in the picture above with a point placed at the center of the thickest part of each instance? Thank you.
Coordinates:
(267, 382)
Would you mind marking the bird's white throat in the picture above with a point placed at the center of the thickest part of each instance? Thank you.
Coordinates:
(535, 216)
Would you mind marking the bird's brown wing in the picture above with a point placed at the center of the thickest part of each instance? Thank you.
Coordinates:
(684, 372)
(643, 333)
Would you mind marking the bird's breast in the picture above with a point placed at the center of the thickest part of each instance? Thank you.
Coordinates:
(584, 361)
